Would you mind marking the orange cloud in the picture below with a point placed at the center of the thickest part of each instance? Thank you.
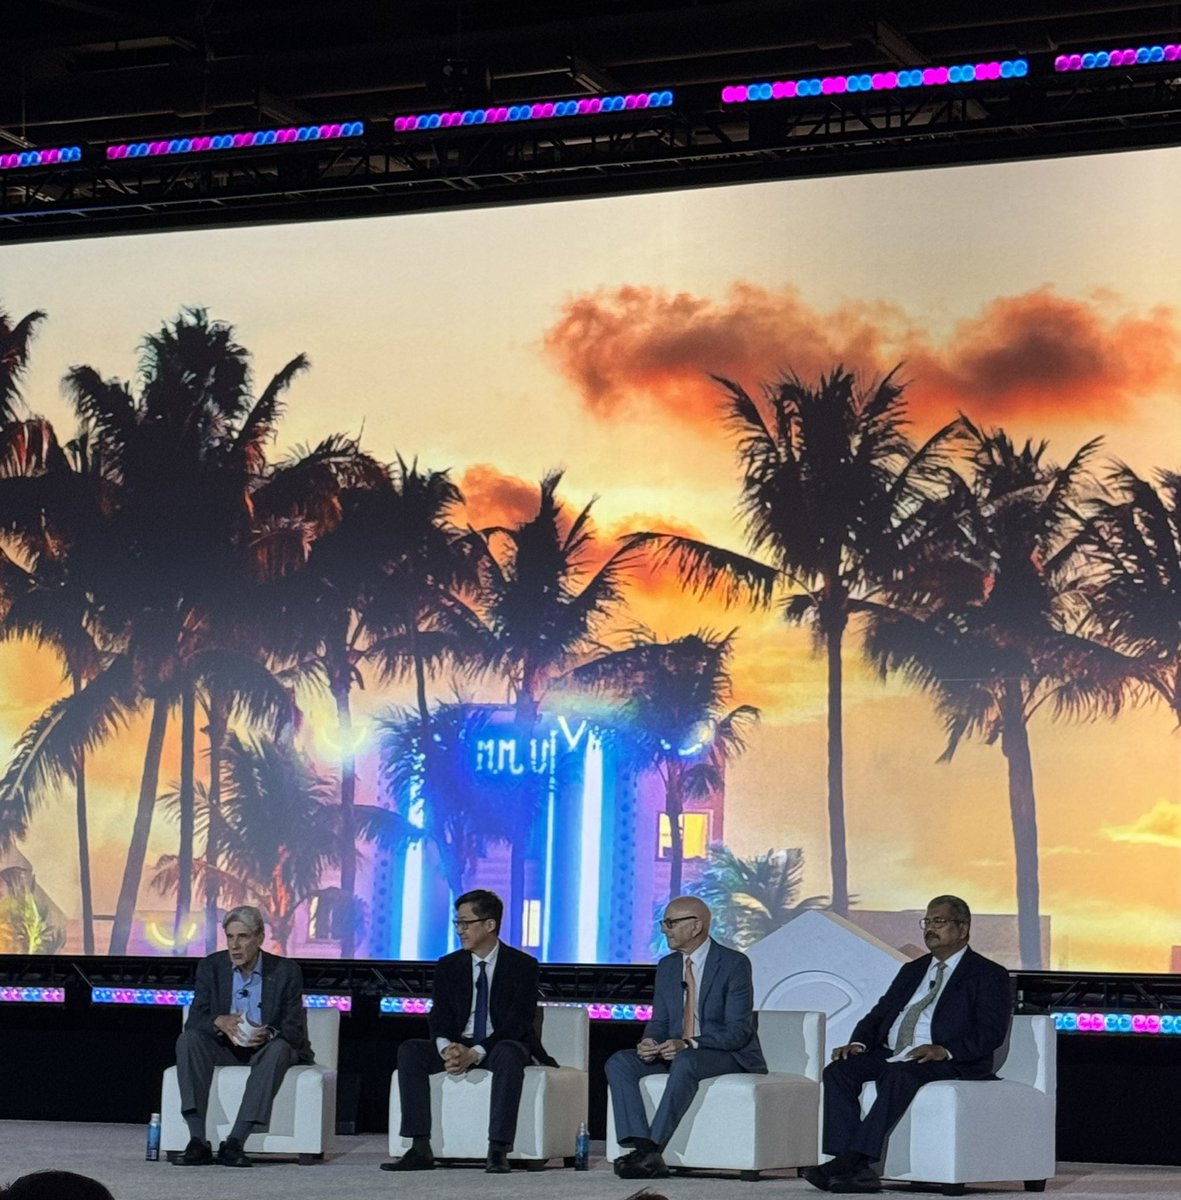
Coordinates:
(493, 498)
(1040, 353)
(1160, 826)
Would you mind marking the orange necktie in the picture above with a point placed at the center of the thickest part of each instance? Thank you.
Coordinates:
(689, 1023)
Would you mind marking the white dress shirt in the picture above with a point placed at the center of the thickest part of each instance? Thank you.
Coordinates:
(922, 1031)
(697, 958)
(469, 1028)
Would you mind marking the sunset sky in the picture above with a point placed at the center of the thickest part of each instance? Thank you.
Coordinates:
(500, 343)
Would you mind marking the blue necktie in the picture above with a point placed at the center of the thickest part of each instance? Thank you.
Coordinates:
(480, 1024)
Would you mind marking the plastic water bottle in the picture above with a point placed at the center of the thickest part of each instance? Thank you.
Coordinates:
(582, 1149)
(153, 1151)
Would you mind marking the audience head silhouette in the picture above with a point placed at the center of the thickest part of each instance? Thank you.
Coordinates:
(55, 1185)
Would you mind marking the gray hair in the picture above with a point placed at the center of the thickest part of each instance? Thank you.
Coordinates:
(248, 915)
(959, 908)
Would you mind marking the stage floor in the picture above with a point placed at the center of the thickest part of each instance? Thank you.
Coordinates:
(114, 1154)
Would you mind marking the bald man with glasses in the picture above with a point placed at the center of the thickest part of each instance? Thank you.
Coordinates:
(702, 1025)
(944, 1017)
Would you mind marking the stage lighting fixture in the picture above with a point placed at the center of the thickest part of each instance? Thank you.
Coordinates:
(159, 997)
(1098, 60)
(420, 1006)
(1119, 1022)
(32, 995)
(586, 107)
(338, 1000)
(236, 141)
(876, 81)
(40, 158)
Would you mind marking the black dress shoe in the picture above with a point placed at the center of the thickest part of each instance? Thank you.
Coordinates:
(860, 1182)
(198, 1153)
(643, 1164)
(231, 1154)
(819, 1177)
(498, 1163)
(632, 1156)
(413, 1160)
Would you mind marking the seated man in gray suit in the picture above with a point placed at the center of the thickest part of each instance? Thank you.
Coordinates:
(247, 1008)
(702, 1025)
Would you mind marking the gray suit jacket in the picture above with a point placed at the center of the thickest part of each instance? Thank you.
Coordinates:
(725, 1000)
(282, 998)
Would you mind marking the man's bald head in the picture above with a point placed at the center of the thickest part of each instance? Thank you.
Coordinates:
(686, 923)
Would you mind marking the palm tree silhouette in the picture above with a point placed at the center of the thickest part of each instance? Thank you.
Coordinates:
(983, 616)
(280, 832)
(14, 360)
(830, 483)
(675, 718)
(1131, 552)
(752, 897)
(544, 605)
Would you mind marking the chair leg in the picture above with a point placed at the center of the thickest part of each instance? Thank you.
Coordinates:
(748, 1176)
(953, 1189)
(307, 1160)
(1035, 1185)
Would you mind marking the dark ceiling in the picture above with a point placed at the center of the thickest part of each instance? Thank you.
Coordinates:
(79, 73)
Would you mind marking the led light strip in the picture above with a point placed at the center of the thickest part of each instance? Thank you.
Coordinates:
(41, 158)
(587, 106)
(1076, 1021)
(179, 997)
(1092, 60)
(32, 995)
(237, 141)
(419, 1006)
(877, 81)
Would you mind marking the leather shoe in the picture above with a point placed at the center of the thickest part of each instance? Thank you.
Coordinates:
(819, 1177)
(498, 1163)
(198, 1153)
(859, 1182)
(412, 1160)
(231, 1154)
(642, 1164)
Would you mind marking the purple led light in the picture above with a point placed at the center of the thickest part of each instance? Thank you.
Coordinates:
(236, 141)
(1119, 1022)
(879, 81)
(169, 997)
(50, 157)
(328, 1000)
(32, 995)
(1092, 60)
(541, 111)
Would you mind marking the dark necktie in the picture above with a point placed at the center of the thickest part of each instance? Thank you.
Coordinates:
(480, 1024)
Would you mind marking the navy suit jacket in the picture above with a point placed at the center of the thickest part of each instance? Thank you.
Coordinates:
(282, 998)
(725, 1001)
(512, 999)
(971, 1017)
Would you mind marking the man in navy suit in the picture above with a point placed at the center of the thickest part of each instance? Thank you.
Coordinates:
(485, 1004)
(944, 1017)
(247, 1008)
(702, 1025)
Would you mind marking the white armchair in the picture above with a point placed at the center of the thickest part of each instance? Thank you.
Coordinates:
(960, 1131)
(553, 1100)
(303, 1119)
(750, 1123)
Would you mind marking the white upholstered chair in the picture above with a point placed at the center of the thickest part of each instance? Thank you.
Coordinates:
(960, 1131)
(303, 1120)
(553, 1100)
(750, 1123)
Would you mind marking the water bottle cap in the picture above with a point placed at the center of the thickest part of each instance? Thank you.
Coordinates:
(155, 1116)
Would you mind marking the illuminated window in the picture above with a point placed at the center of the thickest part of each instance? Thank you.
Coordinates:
(694, 835)
(321, 919)
(531, 924)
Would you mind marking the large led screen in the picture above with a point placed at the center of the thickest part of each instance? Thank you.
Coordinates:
(801, 544)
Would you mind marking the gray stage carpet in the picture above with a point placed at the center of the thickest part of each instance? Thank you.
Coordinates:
(114, 1154)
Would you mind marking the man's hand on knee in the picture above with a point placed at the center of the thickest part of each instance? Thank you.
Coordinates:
(843, 1052)
(648, 1049)
(928, 1054)
(670, 1049)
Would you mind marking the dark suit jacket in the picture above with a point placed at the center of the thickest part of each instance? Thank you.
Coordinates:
(725, 1000)
(282, 998)
(512, 1000)
(971, 1017)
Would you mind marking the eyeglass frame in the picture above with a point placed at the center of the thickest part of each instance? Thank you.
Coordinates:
(464, 925)
(669, 922)
(939, 922)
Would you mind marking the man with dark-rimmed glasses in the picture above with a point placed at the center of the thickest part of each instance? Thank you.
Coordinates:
(944, 1017)
(702, 1025)
(485, 1001)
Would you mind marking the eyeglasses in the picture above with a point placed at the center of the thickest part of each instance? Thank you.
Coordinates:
(463, 926)
(937, 922)
(669, 922)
